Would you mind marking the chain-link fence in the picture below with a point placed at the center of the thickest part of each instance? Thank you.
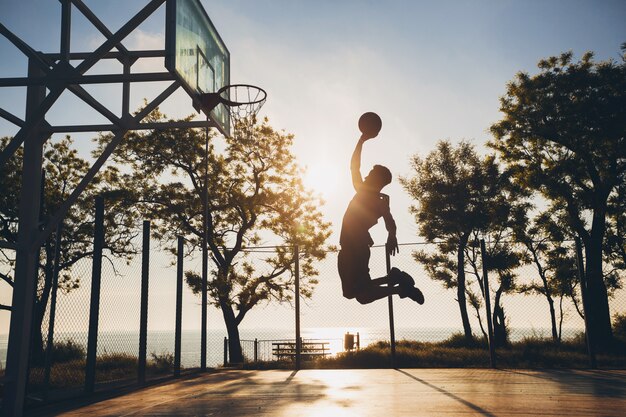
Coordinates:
(60, 365)
(523, 308)
(329, 324)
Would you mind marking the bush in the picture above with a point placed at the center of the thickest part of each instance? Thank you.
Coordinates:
(619, 326)
(458, 340)
(116, 362)
(163, 362)
(67, 351)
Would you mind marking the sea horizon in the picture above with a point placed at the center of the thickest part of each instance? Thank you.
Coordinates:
(162, 341)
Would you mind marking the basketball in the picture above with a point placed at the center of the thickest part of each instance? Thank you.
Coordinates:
(370, 124)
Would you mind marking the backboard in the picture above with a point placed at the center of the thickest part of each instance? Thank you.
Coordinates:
(196, 55)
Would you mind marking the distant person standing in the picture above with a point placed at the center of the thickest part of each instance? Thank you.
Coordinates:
(363, 212)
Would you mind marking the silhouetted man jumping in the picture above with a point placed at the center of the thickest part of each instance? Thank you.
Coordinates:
(363, 212)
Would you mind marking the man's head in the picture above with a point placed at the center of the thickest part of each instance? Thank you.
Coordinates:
(378, 177)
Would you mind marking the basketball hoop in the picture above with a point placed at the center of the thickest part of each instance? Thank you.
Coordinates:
(243, 102)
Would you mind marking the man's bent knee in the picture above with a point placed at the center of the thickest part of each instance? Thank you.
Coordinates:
(364, 298)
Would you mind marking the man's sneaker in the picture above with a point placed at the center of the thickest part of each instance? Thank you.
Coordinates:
(401, 278)
(413, 293)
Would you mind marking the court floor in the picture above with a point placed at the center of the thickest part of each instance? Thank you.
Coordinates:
(376, 392)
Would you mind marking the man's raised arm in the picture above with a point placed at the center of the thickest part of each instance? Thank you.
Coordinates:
(355, 164)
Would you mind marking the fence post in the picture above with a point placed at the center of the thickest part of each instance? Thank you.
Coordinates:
(94, 306)
(392, 327)
(225, 351)
(205, 254)
(179, 306)
(25, 278)
(492, 348)
(53, 308)
(256, 350)
(296, 254)
(583, 293)
(143, 313)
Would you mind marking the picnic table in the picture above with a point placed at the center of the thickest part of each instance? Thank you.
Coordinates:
(309, 349)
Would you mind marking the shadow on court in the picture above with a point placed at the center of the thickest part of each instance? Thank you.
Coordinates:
(374, 392)
(448, 394)
(598, 383)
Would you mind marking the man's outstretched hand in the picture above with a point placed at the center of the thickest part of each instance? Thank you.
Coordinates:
(365, 137)
(392, 245)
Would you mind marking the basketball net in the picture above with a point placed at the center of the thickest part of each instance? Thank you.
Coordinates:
(243, 103)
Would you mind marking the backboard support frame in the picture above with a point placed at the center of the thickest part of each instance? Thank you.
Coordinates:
(49, 75)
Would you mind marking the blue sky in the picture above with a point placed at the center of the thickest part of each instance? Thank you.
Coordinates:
(432, 70)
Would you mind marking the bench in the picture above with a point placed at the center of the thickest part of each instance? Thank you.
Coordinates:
(309, 349)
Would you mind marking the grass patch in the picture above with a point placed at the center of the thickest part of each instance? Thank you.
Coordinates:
(110, 367)
(455, 353)
(409, 354)
(67, 351)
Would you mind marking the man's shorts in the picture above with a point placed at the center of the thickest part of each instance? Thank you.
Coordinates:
(353, 264)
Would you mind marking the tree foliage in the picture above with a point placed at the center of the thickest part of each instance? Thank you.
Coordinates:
(63, 170)
(544, 243)
(458, 195)
(563, 135)
(255, 195)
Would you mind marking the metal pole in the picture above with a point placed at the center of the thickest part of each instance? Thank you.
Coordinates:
(296, 255)
(392, 327)
(143, 313)
(179, 306)
(225, 351)
(23, 299)
(42, 194)
(94, 307)
(53, 309)
(126, 89)
(583, 293)
(66, 29)
(492, 349)
(205, 252)
(256, 350)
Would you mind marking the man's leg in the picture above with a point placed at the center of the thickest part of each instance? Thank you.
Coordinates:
(372, 292)
(395, 277)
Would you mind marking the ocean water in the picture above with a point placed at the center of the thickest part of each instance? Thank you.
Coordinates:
(160, 342)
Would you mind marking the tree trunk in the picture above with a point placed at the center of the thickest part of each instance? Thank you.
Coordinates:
(234, 341)
(555, 333)
(546, 289)
(37, 348)
(598, 315)
(460, 289)
(561, 317)
(499, 323)
(39, 312)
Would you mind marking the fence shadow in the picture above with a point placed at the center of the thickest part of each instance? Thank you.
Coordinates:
(449, 394)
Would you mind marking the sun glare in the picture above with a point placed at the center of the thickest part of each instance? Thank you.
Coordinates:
(333, 335)
(322, 179)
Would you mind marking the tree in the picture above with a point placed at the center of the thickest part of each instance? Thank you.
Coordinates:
(63, 169)
(543, 242)
(457, 194)
(563, 135)
(255, 193)
(615, 242)
(501, 258)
